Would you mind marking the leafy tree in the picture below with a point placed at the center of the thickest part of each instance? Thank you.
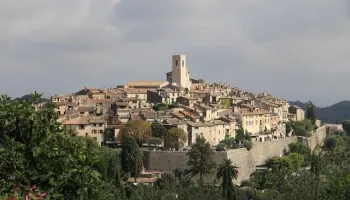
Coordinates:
(248, 144)
(139, 129)
(288, 127)
(302, 149)
(35, 151)
(227, 172)
(310, 112)
(334, 143)
(229, 142)
(131, 156)
(154, 141)
(221, 147)
(346, 126)
(160, 107)
(200, 158)
(302, 128)
(158, 130)
(176, 137)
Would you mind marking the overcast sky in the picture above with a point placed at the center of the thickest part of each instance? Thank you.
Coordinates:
(296, 49)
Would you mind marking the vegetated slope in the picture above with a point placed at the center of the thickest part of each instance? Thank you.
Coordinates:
(335, 113)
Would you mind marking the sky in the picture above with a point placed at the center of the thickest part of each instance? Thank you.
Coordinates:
(294, 49)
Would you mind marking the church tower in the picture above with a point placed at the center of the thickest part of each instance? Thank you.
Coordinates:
(180, 75)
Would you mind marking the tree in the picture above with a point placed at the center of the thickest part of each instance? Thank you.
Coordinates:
(139, 129)
(346, 126)
(248, 144)
(34, 150)
(310, 112)
(158, 130)
(200, 158)
(227, 172)
(176, 137)
(131, 156)
(178, 173)
(302, 149)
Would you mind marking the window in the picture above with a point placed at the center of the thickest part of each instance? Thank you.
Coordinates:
(183, 63)
(81, 127)
(81, 113)
(247, 123)
(101, 131)
(100, 125)
(176, 63)
(195, 127)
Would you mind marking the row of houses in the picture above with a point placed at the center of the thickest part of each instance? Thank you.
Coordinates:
(214, 111)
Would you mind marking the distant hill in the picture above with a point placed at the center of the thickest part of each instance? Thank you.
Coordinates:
(331, 114)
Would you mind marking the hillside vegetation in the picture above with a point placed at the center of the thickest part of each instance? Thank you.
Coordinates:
(335, 113)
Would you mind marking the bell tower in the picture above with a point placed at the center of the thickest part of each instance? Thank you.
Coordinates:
(180, 74)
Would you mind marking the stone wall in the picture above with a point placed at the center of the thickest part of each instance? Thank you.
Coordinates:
(242, 158)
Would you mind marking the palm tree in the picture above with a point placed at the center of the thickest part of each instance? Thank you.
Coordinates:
(227, 171)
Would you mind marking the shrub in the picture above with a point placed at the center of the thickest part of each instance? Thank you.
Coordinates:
(248, 144)
(221, 147)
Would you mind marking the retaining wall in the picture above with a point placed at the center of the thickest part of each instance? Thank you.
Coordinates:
(242, 158)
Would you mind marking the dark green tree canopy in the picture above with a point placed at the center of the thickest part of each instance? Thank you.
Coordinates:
(200, 158)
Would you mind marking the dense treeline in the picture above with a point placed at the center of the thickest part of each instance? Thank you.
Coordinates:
(36, 152)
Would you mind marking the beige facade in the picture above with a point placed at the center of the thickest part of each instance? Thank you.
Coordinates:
(298, 112)
(255, 121)
(213, 132)
(180, 74)
(85, 126)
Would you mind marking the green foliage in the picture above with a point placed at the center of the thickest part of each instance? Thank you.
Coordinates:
(141, 130)
(221, 147)
(248, 144)
(175, 138)
(346, 126)
(131, 157)
(35, 150)
(302, 128)
(241, 134)
(226, 102)
(155, 141)
(227, 172)
(334, 143)
(158, 130)
(229, 142)
(200, 158)
(160, 107)
(310, 112)
(301, 149)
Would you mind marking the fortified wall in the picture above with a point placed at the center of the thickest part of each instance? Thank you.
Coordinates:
(242, 158)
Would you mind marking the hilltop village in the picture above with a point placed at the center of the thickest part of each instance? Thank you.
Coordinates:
(212, 110)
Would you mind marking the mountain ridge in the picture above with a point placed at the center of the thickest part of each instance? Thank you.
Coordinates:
(335, 113)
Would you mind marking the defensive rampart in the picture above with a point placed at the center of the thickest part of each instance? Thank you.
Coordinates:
(242, 158)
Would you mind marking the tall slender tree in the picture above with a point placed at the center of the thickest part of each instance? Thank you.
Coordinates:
(200, 158)
(310, 112)
(227, 172)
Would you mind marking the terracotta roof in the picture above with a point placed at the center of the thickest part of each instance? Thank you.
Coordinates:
(77, 121)
(248, 112)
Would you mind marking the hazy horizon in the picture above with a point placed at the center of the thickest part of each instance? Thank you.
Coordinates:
(294, 49)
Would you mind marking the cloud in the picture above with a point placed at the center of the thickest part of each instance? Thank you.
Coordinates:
(293, 48)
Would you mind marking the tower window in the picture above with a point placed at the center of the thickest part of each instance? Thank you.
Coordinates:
(176, 63)
(183, 63)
